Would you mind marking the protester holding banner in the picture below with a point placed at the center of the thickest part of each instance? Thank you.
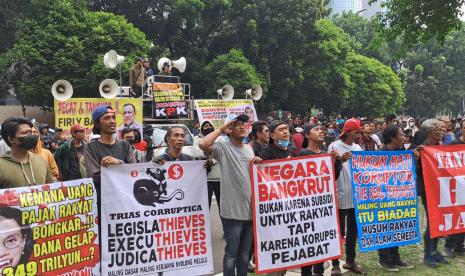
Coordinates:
(431, 128)
(314, 139)
(343, 147)
(21, 167)
(389, 258)
(175, 139)
(278, 147)
(68, 155)
(105, 151)
(234, 158)
(46, 154)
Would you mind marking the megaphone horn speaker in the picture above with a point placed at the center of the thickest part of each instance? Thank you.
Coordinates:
(226, 93)
(62, 90)
(179, 64)
(108, 89)
(256, 92)
(111, 59)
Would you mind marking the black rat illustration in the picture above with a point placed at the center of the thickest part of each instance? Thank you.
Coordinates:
(148, 191)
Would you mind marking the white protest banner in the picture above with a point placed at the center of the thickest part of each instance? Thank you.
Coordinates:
(49, 230)
(156, 219)
(216, 111)
(295, 212)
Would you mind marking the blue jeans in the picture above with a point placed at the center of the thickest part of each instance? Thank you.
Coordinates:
(239, 236)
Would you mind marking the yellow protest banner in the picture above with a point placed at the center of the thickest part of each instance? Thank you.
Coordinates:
(79, 111)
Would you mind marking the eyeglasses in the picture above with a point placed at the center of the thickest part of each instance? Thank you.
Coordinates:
(13, 241)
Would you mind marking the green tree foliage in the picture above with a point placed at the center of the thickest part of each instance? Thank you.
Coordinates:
(374, 88)
(272, 35)
(365, 37)
(300, 59)
(275, 37)
(232, 68)
(62, 40)
(434, 82)
(431, 72)
(325, 77)
(10, 13)
(420, 20)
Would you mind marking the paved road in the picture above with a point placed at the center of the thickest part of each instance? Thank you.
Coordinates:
(217, 238)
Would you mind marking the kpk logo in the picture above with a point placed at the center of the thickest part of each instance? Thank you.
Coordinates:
(151, 191)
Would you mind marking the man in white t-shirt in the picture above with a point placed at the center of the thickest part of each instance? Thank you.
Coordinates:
(234, 159)
(344, 147)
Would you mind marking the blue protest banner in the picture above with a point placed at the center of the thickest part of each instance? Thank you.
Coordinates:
(385, 199)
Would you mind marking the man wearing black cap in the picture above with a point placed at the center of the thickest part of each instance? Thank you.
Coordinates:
(278, 148)
(105, 151)
(137, 78)
(312, 144)
(234, 159)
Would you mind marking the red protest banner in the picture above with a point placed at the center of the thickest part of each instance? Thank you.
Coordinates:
(444, 178)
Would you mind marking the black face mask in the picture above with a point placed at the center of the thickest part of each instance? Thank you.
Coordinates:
(131, 141)
(28, 142)
(207, 131)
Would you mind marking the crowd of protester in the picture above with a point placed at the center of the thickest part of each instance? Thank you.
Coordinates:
(32, 155)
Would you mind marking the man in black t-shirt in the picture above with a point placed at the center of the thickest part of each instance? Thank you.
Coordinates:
(278, 148)
(105, 151)
(260, 136)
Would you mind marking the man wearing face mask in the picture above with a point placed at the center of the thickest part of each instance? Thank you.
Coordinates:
(278, 147)
(21, 167)
(132, 136)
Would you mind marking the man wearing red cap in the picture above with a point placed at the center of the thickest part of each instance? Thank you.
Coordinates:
(344, 146)
(67, 156)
